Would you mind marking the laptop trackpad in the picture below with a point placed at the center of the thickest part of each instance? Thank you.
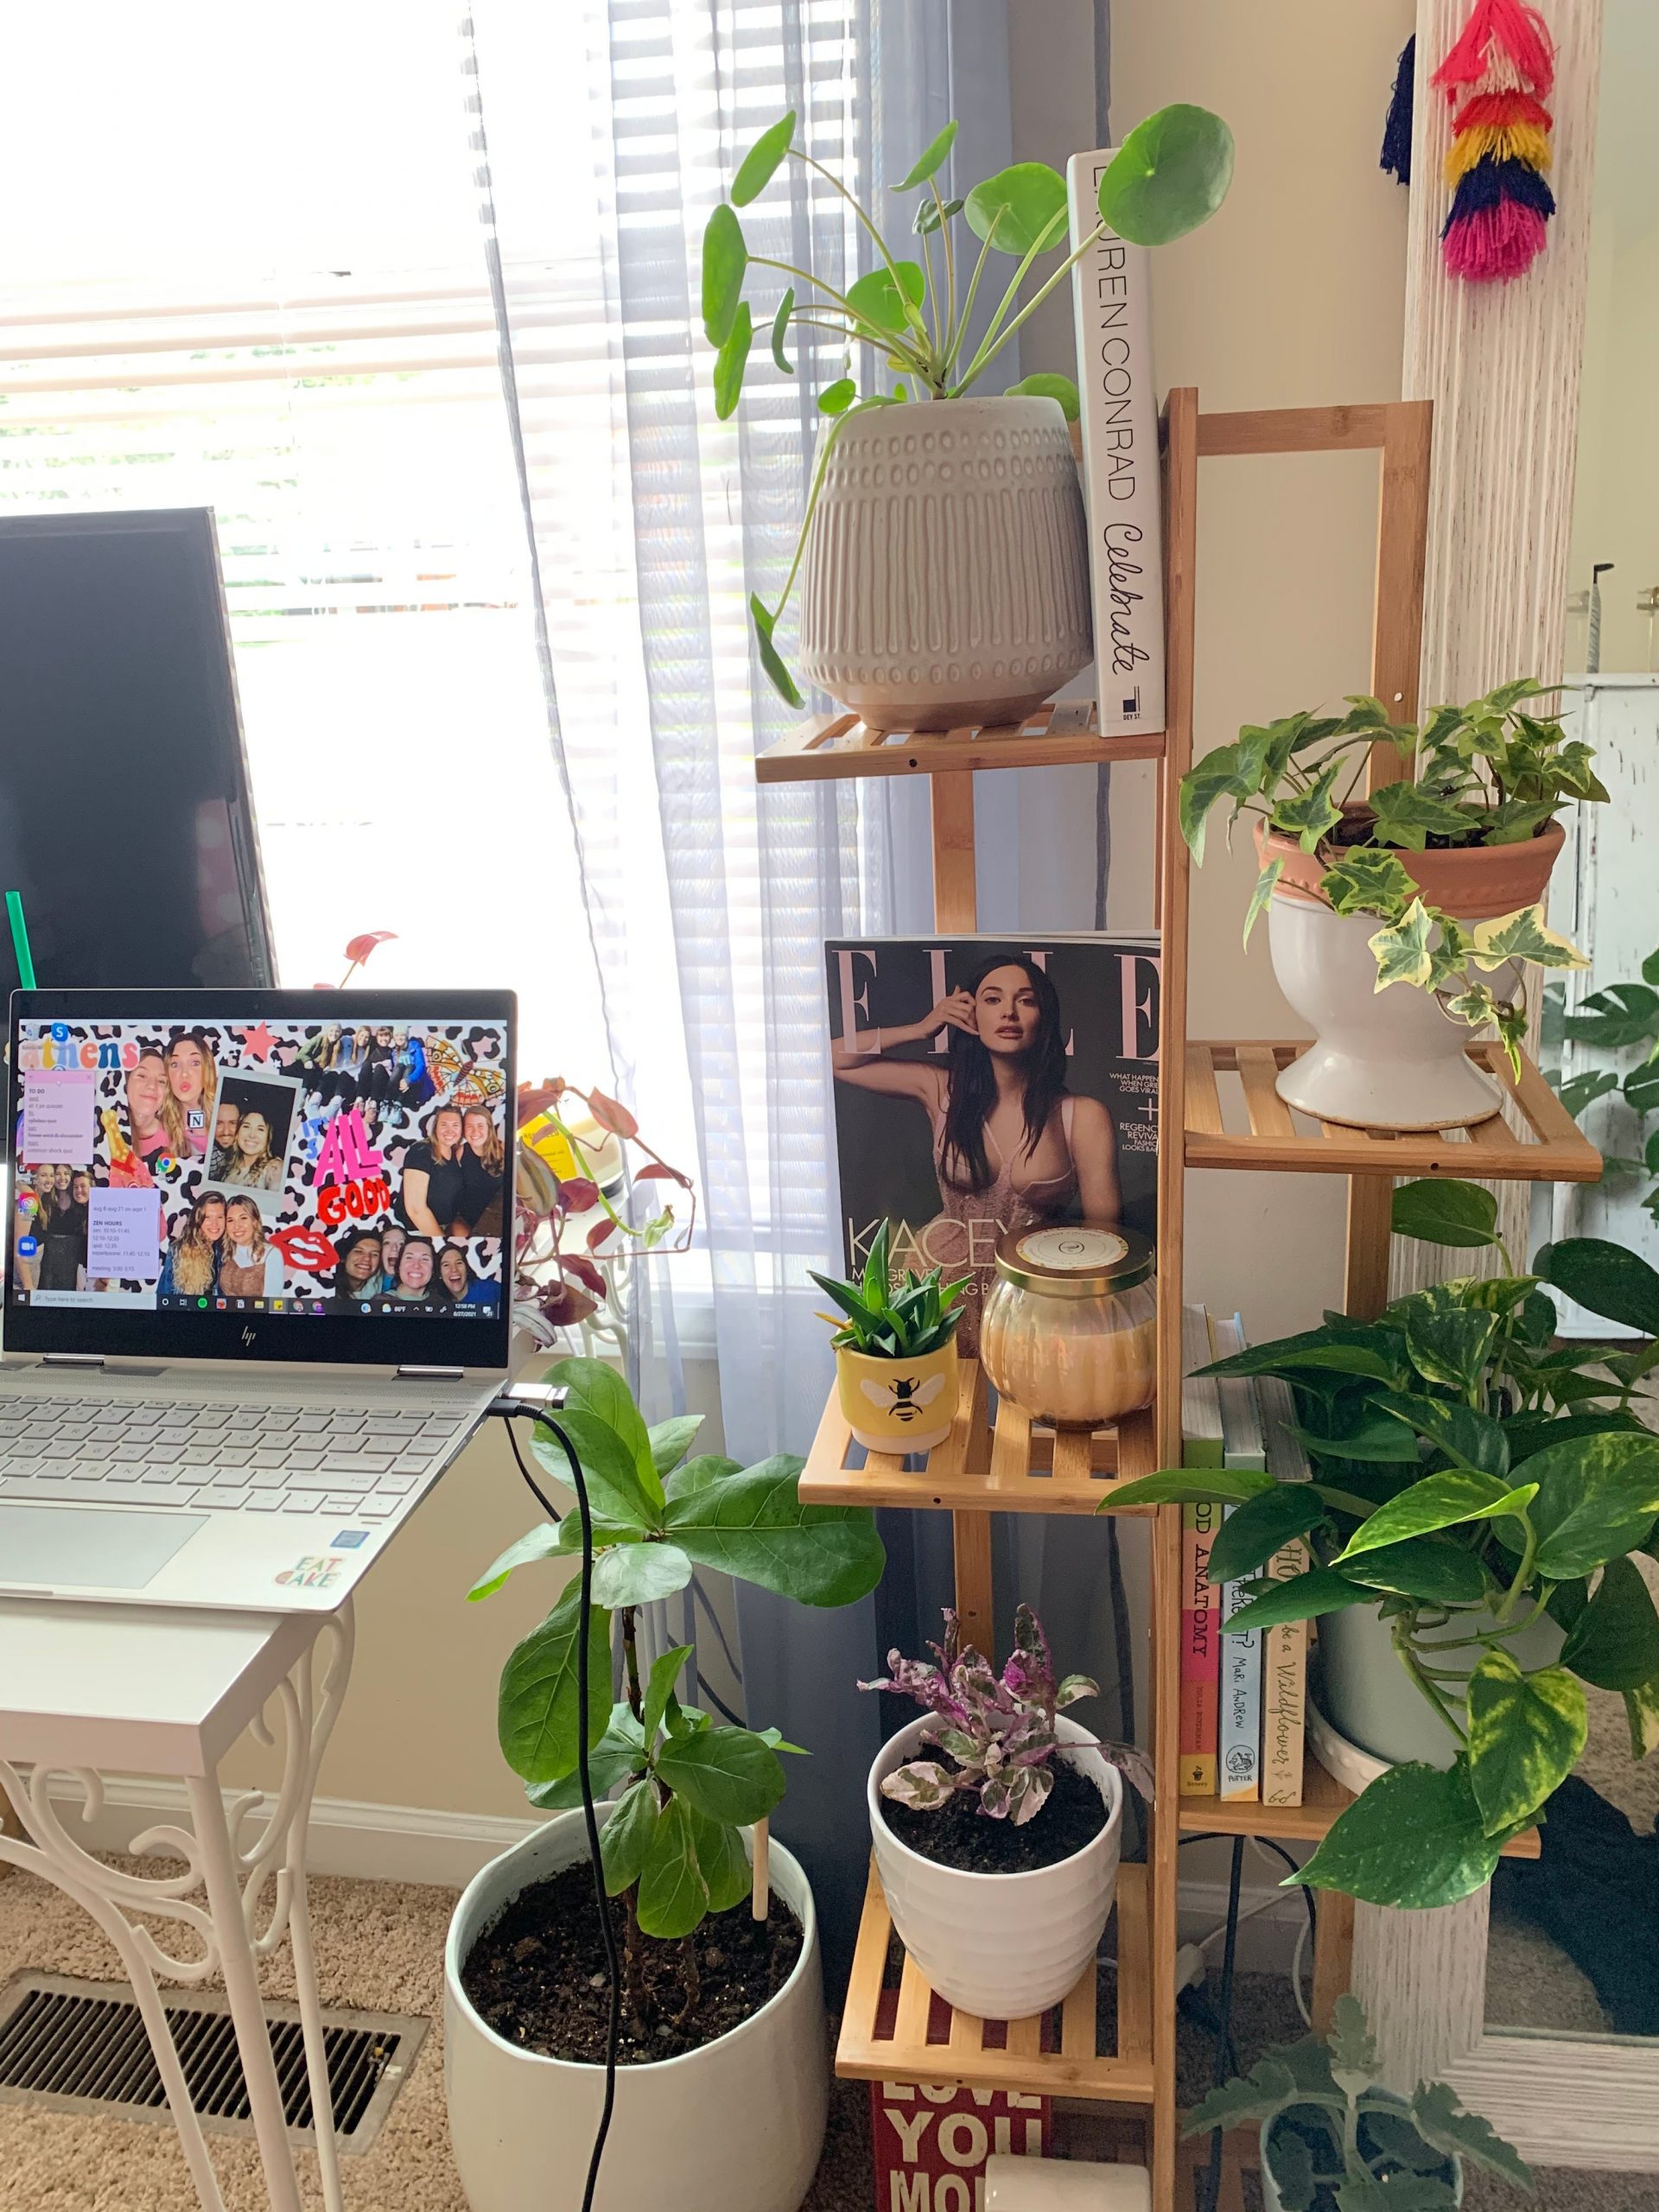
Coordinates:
(65, 1548)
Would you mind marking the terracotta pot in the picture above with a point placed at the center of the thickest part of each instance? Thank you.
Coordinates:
(1473, 886)
(946, 574)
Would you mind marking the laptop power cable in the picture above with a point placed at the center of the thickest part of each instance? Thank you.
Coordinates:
(540, 1404)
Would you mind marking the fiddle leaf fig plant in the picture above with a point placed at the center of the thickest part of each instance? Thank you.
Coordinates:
(913, 312)
(1487, 773)
(1471, 1481)
(670, 1847)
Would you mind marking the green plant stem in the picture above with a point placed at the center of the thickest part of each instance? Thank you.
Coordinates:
(824, 451)
(961, 330)
(1505, 1605)
(630, 1663)
(1042, 245)
(881, 243)
(1407, 1657)
(949, 262)
(990, 348)
(891, 341)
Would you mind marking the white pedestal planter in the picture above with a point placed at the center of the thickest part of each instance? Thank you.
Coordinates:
(1002, 1946)
(946, 575)
(737, 2127)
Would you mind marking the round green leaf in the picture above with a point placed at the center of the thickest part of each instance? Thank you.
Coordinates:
(620, 1752)
(835, 399)
(1413, 1838)
(638, 1574)
(1440, 1501)
(626, 1839)
(754, 1526)
(1436, 1573)
(1252, 1532)
(731, 360)
(673, 1897)
(1300, 1598)
(1525, 1734)
(876, 298)
(1618, 1284)
(725, 263)
(1614, 1642)
(779, 325)
(1445, 1212)
(1473, 1439)
(721, 1861)
(1018, 208)
(927, 164)
(1190, 1486)
(541, 1542)
(786, 687)
(1170, 175)
(1042, 385)
(757, 166)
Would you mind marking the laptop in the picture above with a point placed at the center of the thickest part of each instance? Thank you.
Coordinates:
(258, 1283)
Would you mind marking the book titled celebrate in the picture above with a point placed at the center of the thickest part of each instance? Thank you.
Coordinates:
(1112, 297)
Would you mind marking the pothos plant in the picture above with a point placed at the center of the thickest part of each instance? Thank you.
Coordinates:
(1336, 2142)
(917, 317)
(1486, 773)
(670, 1847)
(997, 1731)
(1608, 1024)
(1471, 1481)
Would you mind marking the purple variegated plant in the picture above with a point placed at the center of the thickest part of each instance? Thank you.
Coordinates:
(997, 1730)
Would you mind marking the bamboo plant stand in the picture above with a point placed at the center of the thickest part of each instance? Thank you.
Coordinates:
(1217, 1108)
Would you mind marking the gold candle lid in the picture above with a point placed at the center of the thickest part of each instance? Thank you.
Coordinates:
(1084, 1259)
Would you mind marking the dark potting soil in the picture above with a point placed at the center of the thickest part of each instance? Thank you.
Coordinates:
(536, 1975)
(958, 1835)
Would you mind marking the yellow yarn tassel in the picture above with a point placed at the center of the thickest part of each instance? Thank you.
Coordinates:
(1507, 142)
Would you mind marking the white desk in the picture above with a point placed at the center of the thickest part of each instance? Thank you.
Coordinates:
(137, 1688)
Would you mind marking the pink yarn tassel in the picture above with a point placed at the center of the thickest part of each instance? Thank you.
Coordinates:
(1495, 243)
(1496, 33)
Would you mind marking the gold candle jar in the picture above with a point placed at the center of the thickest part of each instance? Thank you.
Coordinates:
(1069, 1329)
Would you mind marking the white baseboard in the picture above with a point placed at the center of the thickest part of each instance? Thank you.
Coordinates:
(349, 1836)
(417, 1843)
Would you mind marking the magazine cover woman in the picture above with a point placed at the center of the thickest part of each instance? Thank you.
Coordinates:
(1012, 1146)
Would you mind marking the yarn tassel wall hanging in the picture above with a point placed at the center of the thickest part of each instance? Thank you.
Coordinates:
(1395, 158)
(1496, 80)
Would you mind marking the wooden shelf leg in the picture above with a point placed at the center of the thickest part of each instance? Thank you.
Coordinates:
(955, 892)
(971, 1534)
(1334, 1956)
(1371, 1199)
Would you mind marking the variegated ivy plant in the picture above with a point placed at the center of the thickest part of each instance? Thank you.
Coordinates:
(997, 1731)
(1487, 773)
(671, 1847)
(1469, 1480)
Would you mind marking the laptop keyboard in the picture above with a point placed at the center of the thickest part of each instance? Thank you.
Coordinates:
(217, 1459)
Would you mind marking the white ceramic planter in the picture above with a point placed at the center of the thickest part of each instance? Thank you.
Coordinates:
(737, 2127)
(1388, 1059)
(1002, 1946)
(1369, 1699)
(946, 574)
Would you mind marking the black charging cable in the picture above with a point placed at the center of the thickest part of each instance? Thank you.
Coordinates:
(511, 1410)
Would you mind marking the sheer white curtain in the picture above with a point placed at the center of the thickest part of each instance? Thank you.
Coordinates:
(608, 128)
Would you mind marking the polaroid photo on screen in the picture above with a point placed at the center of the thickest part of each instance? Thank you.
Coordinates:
(256, 1121)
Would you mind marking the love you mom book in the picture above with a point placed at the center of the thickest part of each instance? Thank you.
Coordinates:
(984, 1083)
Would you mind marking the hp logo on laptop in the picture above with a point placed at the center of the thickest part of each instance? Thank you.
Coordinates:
(247, 1336)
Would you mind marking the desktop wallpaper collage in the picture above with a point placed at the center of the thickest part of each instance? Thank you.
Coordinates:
(289, 1168)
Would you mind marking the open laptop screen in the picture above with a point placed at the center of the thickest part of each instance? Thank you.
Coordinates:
(270, 1174)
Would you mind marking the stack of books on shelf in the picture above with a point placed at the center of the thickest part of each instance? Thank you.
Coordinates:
(1242, 1696)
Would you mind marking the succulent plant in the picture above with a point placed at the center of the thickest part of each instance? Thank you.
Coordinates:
(918, 1317)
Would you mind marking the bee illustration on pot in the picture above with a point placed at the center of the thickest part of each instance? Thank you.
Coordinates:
(904, 1398)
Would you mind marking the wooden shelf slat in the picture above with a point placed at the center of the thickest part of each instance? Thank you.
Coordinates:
(1061, 735)
(1552, 1149)
(1017, 2060)
(1323, 1798)
(1031, 1470)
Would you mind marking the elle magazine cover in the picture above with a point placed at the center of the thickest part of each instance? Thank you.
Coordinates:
(984, 1085)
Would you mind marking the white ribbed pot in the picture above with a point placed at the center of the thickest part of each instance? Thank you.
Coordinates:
(1002, 1946)
(737, 2127)
(946, 573)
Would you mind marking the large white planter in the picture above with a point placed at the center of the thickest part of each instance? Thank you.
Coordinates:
(946, 573)
(1388, 1059)
(1002, 1946)
(737, 2127)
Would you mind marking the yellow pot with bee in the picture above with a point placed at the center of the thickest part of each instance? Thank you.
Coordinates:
(898, 1405)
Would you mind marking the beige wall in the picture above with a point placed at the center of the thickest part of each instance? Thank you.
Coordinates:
(1292, 296)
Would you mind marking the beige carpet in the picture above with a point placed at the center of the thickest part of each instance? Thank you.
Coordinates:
(380, 1946)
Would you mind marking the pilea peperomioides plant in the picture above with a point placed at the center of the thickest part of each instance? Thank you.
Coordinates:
(997, 1730)
(1470, 1482)
(671, 1847)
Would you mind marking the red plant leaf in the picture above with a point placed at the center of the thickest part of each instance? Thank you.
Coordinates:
(535, 1098)
(358, 948)
(578, 1195)
(658, 1171)
(611, 1114)
(585, 1272)
(600, 1233)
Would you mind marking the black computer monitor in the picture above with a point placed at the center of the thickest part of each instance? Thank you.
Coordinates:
(124, 814)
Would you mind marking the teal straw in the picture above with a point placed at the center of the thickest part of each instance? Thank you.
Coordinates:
(20, 939)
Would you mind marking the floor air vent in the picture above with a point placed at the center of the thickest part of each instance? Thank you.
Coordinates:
(80, 2047)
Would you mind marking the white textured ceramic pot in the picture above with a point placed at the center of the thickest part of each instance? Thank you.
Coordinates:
(1370, 1700)
(737, 2127)
(946, 573)
(1002, 1946)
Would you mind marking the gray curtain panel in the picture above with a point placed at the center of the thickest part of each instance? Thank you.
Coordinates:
(707, 898)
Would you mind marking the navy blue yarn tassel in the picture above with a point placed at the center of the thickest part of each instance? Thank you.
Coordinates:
(1395, 158)
(1490, 181)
